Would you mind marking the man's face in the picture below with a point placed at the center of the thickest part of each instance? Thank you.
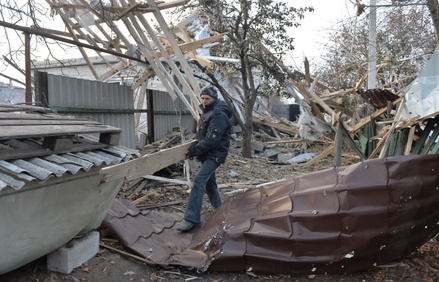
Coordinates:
(206, 100)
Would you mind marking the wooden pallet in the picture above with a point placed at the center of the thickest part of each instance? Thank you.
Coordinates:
(57, 132)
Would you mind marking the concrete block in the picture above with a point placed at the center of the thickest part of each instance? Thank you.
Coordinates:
(272, 152)
(74, 253)
(257, 146)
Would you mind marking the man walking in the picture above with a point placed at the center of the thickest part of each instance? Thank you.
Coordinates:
(213, 135)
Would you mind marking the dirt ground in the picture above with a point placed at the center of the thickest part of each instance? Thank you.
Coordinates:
(235, 175)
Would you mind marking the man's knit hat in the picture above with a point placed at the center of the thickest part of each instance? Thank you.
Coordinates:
(211, 91)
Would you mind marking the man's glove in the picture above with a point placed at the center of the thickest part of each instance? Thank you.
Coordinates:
(190, 154)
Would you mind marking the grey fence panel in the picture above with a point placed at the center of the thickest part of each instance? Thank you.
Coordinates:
(110, 104)
(170, 114)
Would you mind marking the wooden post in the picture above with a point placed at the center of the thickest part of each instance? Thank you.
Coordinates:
(28, 95)
(338, 144)
(150, 115)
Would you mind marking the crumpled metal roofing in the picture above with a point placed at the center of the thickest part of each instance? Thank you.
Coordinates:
(333, 221)
(15, 173)
(379, 98)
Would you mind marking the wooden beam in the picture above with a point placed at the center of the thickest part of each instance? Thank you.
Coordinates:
(201, 60)
(183, 30)
(338, 144)
(190, 46)
(145, 165)
(326, 152)
(408, 146)
(183, 63)
(279, 126)
(170, 180)
(187, 82)
(145, 76)
(371, 117)
(114, 69)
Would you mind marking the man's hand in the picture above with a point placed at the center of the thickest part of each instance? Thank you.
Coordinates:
(190, 153)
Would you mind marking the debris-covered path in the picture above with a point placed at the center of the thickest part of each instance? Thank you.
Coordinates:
(237, 174)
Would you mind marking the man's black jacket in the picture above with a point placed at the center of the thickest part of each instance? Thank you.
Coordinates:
(213, 133)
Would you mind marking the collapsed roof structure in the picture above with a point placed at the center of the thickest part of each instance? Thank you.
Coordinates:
(147, 46)
(111, 27)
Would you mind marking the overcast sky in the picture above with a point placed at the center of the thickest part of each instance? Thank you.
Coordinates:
(308, 37)
(312, 32)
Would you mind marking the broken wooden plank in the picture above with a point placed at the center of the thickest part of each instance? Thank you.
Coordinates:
(145, 165)
(384, 151)
(278, 126)
(14, 132)
(326, 152)
(338, 144)
(411, 136)
(296, 140)
(239, 185)
(190, 46)
(352, 143)
(5, 107)
(36, 121)
(164, 179)
(371, 117)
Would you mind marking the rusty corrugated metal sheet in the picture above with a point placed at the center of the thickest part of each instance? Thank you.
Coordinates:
(378, 98)
(333, 221)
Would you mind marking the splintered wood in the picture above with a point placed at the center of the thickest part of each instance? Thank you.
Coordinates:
(164, 52)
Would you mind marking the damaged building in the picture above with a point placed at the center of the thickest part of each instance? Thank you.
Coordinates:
(313, 223)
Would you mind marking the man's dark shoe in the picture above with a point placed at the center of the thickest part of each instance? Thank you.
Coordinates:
(185, 225)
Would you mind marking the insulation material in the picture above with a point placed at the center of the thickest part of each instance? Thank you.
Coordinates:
(422, 97)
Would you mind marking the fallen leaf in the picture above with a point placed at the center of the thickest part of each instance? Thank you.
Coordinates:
(86, 269)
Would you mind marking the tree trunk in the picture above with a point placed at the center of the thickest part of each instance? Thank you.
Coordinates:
(247, 133)
(434, 12)
(249, 99)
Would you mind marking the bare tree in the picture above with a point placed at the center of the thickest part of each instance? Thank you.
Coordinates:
(30, 14)
(250, 24)
(405, 41)
(433, 7)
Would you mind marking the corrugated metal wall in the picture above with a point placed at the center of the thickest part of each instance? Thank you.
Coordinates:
(11, 95)
(169, 114)
(110, 104)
